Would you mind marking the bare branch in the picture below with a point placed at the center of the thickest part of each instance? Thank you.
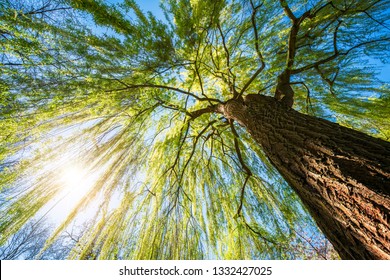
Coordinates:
(259, 234)
(378, 22)
(258, 71)
(172, 107)
(308, 100)
(335, 55)
(194, 146)
(314, 13)
(231, 83)
(42, 10)
(326, 79)
(181, 175)
(243, 165)
(336, 51)
(198, 60)
(165, 87)
(254, 26)
(259, 54)
(242, 195)
(311, 245)
(265, 88)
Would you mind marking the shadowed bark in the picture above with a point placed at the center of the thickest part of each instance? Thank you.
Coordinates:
(341, 175)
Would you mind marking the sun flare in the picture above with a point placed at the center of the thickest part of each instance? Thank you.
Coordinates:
(72, 176)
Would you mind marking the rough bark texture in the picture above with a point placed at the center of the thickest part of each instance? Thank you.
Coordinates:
(342, 176)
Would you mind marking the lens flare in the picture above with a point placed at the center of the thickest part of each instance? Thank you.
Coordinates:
(72, 177)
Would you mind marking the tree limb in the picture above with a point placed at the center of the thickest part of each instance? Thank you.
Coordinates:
(243, 165)
(287, 10)
(166, 87)
(335, 55)
(326, 79)
(197, 113)
(231, 83)
(308, 100)
(259, 54)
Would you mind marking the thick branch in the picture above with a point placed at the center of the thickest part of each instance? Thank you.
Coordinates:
(284, 92)
(292, 40)
(287, 10)
(209, 109)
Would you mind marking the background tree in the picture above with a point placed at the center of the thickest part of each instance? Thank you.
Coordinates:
(183, 128)
(28, 242)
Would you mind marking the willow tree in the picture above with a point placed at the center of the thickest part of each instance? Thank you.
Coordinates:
(207, 134)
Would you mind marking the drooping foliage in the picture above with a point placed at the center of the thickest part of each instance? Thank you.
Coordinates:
(124, 97)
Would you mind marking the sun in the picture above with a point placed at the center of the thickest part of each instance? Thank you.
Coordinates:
(74, 180)
(72, 176)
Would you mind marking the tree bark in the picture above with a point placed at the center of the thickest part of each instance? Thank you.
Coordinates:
(341, 175)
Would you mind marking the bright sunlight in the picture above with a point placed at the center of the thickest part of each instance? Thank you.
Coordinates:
(75, 181)
(72, 177)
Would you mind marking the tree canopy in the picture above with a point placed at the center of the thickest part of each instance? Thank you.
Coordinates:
(124, 102)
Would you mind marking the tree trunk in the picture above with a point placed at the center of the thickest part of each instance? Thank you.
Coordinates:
(341, 175)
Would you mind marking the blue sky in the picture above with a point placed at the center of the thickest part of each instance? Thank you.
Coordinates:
(150, 5)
